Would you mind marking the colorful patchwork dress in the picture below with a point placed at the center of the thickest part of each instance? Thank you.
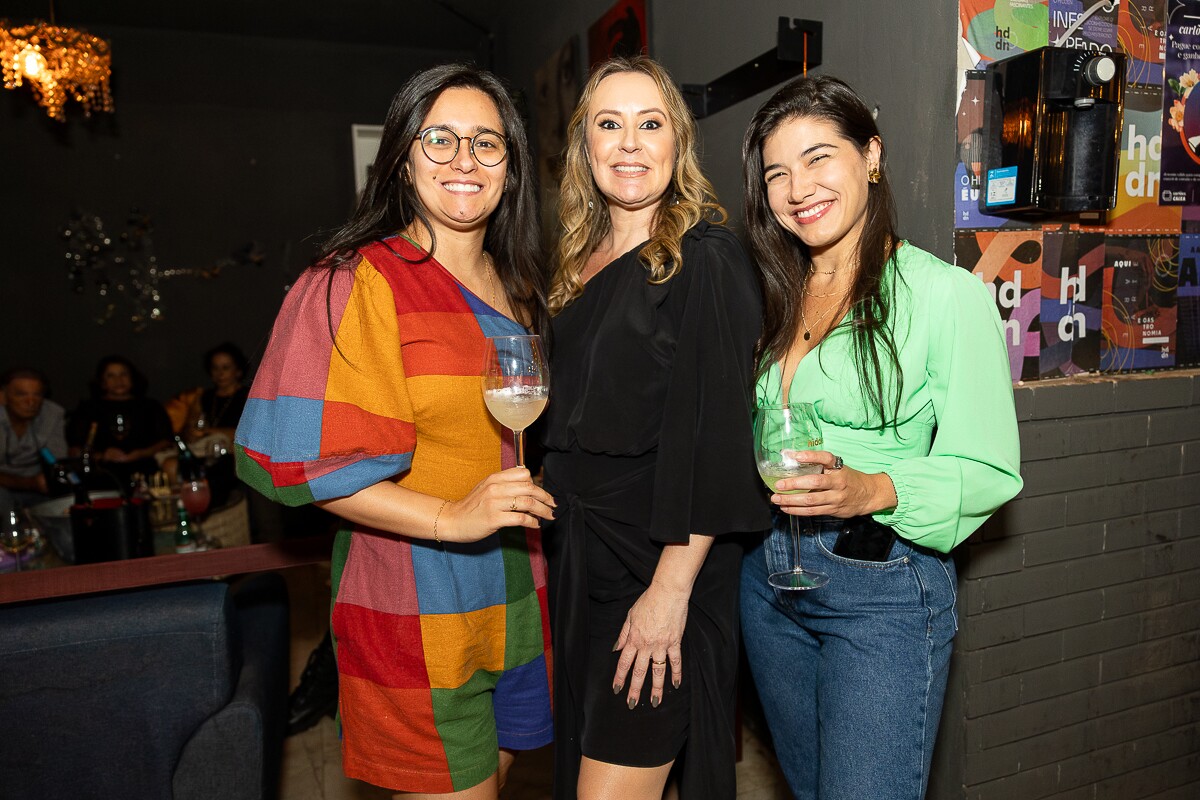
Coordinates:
(443, 650)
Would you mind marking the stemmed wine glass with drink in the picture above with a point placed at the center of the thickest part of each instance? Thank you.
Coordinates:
(195, 495)
(780, 433)
(516, 384)
(17, 536)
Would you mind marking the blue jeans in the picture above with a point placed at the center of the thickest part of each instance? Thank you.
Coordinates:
(851, 675)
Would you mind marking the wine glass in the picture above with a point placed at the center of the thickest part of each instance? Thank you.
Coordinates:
(195, 496)
(781, 431)
(119, 427)
(16, 537)
(216, 450)
(515, 384)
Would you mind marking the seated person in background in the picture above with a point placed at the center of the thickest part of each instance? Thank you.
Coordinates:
(28, 422)
(119, 427)
(211, 417)
(217, 409)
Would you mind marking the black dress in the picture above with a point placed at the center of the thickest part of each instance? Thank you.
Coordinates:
(223, 412)
(142, 422)
(648, 440)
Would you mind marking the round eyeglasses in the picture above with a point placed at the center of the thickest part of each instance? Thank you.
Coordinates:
(440, 146)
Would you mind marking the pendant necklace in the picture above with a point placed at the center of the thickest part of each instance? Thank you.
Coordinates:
(805, 293)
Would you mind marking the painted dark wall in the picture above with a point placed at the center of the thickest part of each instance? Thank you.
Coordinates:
(221, 140)
(899, 56)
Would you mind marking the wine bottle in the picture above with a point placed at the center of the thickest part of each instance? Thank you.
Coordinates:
(185, 536)
(86, 456)
(64, 478)
(187, 466)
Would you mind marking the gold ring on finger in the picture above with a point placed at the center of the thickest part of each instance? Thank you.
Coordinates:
(662, 663)
(513, 505)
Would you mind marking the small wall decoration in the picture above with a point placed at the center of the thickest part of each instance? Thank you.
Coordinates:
(556, 89)
(365, 141)
(622, 31)
(125, 275)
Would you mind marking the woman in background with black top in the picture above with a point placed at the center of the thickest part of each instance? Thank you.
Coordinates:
(648, 449)
(120, 428)
(219, 407)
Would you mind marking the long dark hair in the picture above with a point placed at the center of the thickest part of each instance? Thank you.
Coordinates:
(784, 261)
(389, 204)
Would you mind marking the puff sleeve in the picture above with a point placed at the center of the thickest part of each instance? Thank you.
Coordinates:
(329, 413)
(973, 466)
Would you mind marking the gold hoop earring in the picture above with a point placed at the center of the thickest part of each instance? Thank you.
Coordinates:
(873, 175)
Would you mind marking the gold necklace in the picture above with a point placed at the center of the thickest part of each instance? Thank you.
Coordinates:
(808, 330)
(805, 293)
(491, 278)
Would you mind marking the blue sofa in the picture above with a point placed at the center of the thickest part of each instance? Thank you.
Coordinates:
(169, 692)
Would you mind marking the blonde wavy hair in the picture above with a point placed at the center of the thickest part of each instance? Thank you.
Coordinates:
(582, 211)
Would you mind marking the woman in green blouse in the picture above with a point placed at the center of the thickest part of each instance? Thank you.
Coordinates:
(903, 358)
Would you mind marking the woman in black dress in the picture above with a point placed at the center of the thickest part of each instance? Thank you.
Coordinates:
(648, 449)
(118, 426)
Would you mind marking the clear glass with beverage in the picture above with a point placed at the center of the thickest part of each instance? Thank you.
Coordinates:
(516, 384)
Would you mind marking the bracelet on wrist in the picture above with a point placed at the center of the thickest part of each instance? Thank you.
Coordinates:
(436, 517)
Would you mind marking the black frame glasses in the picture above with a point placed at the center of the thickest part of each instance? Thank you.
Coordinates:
(444, 154)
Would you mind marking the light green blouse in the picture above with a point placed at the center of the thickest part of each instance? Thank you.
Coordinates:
(954, 457)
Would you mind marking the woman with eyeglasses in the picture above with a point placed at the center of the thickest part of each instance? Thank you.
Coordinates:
(368, 402)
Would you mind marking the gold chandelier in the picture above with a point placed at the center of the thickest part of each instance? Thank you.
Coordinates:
(59, 64)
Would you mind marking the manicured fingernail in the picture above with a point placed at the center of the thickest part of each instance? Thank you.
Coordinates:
(616, 688)
(654, 701)
(675, 682)
(632, 703)
(616, 647)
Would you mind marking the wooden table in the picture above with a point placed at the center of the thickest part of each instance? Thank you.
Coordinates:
(109, 575)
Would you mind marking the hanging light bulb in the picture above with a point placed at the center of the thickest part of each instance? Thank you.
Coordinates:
(59, 64)
(32, 63)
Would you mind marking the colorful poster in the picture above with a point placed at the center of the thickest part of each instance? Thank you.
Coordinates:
(1141, 30)
(1072, 290)
(1138, 210)
(1187, 331)
(995, 29)
(1010, 265)
(1083, 25)
(1180, 106)
(622, 31)
(1139, 314)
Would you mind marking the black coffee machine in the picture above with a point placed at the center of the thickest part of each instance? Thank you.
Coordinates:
(1052, 133)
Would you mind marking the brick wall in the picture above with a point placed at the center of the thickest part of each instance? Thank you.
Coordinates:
(1077, 665)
